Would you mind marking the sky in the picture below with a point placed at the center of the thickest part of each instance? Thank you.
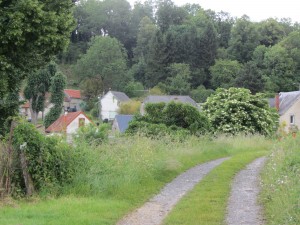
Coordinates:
(257, 10)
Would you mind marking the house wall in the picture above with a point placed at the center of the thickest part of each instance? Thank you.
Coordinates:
(74, 125)
(109, 106)
(74, 102)
(26, 112)
(293, 110)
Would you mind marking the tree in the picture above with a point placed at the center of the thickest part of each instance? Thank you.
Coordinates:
(106, 61)
(224, 73)
(58, 83)
(250, 77)
(235, 110)
(244, 39)
(271, 32)
(280, 70)
(178, 81)
(169, 14)
(117, 23)
(38, 84)
(32, 32)
(146, 32)
(200, 94)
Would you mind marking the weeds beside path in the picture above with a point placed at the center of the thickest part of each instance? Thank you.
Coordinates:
(122, 176)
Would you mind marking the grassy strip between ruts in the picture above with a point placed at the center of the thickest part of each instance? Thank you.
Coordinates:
(124, 175)
(207, 202)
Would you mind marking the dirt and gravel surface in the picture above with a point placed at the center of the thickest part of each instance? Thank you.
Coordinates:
(156, 209)
(243, 208)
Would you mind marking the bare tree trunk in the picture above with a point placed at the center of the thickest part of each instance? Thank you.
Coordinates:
(33, 114)
(27, 178)
(9, 157)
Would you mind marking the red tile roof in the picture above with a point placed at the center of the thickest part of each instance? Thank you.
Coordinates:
(25, 105)
(72, 93)
(63, 121)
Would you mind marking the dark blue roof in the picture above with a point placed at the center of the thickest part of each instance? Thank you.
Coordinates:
(123, 121)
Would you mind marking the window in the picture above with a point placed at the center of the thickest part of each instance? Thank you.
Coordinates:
(81, 122)
(292, 119)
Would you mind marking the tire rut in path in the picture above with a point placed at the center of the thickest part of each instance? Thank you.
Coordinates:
(243, 208)
(155, 210)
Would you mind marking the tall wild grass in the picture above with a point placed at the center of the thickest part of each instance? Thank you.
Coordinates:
(281, 184)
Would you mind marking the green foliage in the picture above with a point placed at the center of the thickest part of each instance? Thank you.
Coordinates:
(235, 110)
(105, 61)
(91, 134)
(58, 83)
(224, 73)
(130, 107)
(178, 81)
(271, 32)
(280, 69)
(50, 160)
(201, 94)
(169, 118)
(244, 39)
(134, 89)
(38, 83)
(32, 32)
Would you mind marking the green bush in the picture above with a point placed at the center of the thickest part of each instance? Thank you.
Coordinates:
(50, 160)
(166, 118)
(237, 110)
(91, 134)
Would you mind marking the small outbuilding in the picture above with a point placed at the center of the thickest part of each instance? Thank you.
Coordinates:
(121, 123)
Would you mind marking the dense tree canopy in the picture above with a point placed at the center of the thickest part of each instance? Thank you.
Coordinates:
(105, 60)
(32, 32)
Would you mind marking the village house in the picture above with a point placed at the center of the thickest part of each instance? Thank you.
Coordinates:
(167, 99)
(288, 107)
(25, 107)
(72, 100)
(69, 123)
(110, 104)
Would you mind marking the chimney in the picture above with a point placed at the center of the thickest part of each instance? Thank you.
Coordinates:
(277, 102)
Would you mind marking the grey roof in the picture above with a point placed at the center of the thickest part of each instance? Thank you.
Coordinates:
(123, 121)
(121, 96)
(169, 98)
(286, 100)
(271, 102)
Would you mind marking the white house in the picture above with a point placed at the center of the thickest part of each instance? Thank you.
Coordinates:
(110, 104)
(69, 123)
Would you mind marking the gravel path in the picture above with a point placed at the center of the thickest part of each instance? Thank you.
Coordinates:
(155, 210)
(243, 208)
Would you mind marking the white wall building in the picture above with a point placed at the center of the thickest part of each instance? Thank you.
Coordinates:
(110, 104)
(69, 123)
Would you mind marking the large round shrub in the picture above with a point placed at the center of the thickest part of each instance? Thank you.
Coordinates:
(237, 110)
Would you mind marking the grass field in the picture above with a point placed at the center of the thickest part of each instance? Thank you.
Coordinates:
(281, 184)
(124, 174)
